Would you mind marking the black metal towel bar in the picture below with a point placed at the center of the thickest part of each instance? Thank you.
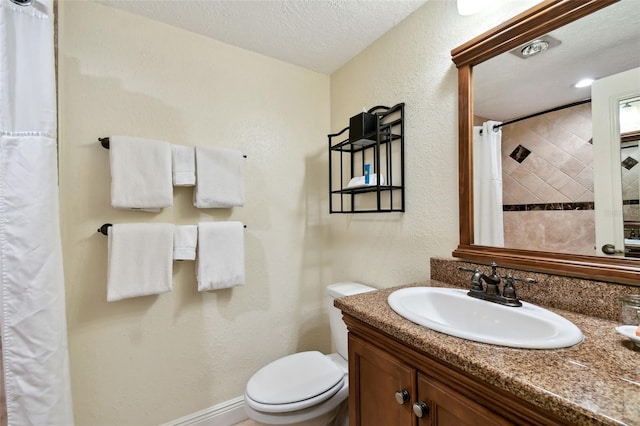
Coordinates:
(104, 229)
(105, 144)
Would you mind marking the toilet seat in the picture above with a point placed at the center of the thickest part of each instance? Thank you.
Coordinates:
(294, 382)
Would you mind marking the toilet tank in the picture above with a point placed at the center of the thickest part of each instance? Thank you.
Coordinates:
(338, 328)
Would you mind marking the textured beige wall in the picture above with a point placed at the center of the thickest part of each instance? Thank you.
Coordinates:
(152, 359)
(411, 64)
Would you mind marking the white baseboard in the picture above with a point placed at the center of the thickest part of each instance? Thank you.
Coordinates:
(224, 414)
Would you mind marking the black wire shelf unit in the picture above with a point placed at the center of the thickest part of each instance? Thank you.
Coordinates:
(372, 145)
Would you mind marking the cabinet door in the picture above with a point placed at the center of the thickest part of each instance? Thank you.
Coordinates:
(374, 379)
(447, 407)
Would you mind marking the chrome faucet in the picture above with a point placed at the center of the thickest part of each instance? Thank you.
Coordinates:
(491, 290)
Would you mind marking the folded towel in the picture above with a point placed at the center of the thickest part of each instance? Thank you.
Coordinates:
(140, 260)
(220, 178)
(140, 173)
(220, 262)
(185, 240)
(184, 165)
(359, 181)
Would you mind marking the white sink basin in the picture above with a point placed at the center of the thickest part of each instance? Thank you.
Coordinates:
(452, 312)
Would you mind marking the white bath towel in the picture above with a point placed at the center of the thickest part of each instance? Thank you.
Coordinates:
(140, 173)
(220, 178)
(220, 262)
(184, 165)
(140, 260)
(185, 240)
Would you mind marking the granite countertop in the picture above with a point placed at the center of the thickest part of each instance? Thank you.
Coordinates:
(594, 382)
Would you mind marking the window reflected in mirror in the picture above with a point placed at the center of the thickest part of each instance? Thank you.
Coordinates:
(630, 161)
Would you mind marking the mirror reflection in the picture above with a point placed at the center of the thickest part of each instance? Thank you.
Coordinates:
(534, 176)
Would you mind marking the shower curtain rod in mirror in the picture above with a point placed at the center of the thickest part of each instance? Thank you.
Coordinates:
(515, 120)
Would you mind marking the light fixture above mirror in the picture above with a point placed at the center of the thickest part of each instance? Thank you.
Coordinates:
(536, 47)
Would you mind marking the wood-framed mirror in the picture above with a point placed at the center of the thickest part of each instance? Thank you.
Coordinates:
(525, 27)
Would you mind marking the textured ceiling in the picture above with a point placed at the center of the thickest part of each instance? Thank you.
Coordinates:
(321, 35)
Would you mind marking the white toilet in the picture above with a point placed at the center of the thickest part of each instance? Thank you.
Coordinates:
(306, 388)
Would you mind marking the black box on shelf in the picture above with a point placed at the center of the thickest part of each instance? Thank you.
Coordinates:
(362, 127)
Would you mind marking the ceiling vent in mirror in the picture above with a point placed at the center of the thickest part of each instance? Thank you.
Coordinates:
(535, 47)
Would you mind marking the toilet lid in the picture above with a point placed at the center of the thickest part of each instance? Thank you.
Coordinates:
(299, 377)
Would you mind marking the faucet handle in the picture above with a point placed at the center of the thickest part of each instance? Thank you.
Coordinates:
(509, 290)
(494, 268)
(463, 269)
(476, 284)
(523, 280)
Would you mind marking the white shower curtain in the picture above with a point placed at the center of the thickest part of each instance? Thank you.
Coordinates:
(487, 185)
(32, 298)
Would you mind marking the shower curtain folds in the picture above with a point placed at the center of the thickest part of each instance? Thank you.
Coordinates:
(32, 294)
(487, 185)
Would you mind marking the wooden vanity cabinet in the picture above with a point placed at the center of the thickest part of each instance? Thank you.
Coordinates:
(450, 408)
(375, 377)
(387, 379)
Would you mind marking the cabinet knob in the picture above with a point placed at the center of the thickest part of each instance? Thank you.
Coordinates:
(420, 409)
(402, 396)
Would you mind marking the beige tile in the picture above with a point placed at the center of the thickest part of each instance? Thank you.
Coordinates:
(585, 153)
(557, 179)
(508, 163)
(587, 197)
(562, 138)
(571, 166)
(560, 231)
(541, 126)
(573, 190)
(585, 178)
(551, 153)
(526, 178)
(517, 192)
(548, 194)
(507, 199)
(538, 166)
(578, 125)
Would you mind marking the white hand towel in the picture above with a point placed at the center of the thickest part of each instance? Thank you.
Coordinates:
(220, 178)
(140, 260)
(140, 173)
(184, 165)
(220, 262)
(185, 240)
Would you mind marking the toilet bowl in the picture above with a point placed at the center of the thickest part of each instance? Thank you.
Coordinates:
(306, 388)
